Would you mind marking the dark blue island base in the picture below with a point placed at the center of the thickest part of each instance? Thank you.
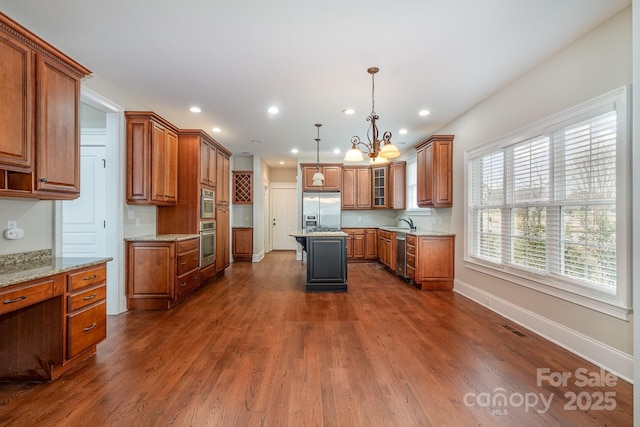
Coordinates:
(326, 263)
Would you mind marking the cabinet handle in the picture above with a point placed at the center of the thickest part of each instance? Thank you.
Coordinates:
(9, 301)
(90, 297)
(43, 179)
(183, 262)
(195, 258)
(182, 285)
(93, 276)
(88, 328)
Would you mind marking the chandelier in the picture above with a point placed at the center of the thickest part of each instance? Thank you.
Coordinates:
(373, 148)
(318, 177)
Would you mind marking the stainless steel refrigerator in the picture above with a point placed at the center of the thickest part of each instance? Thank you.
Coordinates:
(321, 210)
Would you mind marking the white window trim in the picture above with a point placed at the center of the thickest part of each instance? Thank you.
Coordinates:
(620, 305)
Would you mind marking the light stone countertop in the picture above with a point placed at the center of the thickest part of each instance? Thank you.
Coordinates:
(305, 233)
(418, 232)
(37, 269)
(162, 238)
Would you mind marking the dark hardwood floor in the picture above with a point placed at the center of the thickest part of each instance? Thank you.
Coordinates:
(253, 349)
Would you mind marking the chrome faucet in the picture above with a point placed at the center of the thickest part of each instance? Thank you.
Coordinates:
(410, 222)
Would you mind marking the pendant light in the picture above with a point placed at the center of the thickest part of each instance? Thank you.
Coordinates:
(318, 177)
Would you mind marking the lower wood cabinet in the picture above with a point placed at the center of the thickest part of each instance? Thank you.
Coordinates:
(160, 273)
(242, 238)
(222, 238)
(430, 261)
(362, 244)
(387, 249)
(51, 324)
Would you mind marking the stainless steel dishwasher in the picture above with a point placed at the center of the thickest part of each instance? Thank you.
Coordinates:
(401, 254)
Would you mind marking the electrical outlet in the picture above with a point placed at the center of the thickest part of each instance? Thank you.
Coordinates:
(131, 214)
(11, 224)
(137, 222)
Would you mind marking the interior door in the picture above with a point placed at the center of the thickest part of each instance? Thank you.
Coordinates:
(284, 210)
(83, 219)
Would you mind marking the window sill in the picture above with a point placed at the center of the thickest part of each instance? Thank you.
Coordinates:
(591, 299)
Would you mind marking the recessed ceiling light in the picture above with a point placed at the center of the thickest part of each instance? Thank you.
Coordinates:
(217, 130)
(282, 163)
(402, 131)
(349, 111)
(294, 150)
(195, 110)
(256, 141)
(273, 110)
(245, 153)
(424, 112)
(336, 151)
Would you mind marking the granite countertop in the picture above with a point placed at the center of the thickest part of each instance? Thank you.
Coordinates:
(305, 233)
(39, 268)
(418, 232)
(162, 238)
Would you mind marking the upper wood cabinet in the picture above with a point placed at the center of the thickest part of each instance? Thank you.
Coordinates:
(39, 120)
(152, 159)
(332, 176)
(242, 182)
(356, 187)
(207, 163)
(397, 185)
(222, 178)
(380, 177)
(435, 171)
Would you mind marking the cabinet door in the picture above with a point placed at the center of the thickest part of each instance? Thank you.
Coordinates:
(421, 168)
(222, 238)
(332, 177)
(397, 185)
(158, 155)
(204, 163)
(16, 74)
(171, 167)
(358, 246)
(379, 187)
(349, 190)
(442, 171)
(242, 240)
(370, 243)
(428, 176)
(435, 261)
(58, 139)
(363, 188)
(222, 179)
(150, 270)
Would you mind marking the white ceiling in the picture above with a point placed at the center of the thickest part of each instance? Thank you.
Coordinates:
(235, 58)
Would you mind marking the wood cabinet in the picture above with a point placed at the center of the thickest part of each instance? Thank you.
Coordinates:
(387, 248)
(161, 273)
(362, 244)
(397, 185)
(222, 238)
(242, 183)
(242, 238)
(207, 162)
(222, 178)
(371, 244)
(86, 319)
(39, 120)
(380, 187)
(356, 187)
(152, 159)
(332, 176)
(326, 264)
(435, 171)
(52, 323)
(430, 261)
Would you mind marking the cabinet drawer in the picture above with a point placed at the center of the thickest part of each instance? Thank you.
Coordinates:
(87, 277)
(411, 260)
(187, 282)
(83, 299)
(188, 261)
(411, 273)
(188, 245)
(86, 328)
(411, 240)
(26, 295)
(353, 230)
(384, 234)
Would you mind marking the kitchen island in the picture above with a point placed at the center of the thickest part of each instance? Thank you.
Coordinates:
(326, 259)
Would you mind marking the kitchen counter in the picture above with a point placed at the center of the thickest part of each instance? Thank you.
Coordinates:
(37, 269)
(162, 238)
(305, 233)
(326, 259)
(418, 232)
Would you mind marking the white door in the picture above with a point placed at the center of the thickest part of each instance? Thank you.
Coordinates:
(284, 211)
(83, 219)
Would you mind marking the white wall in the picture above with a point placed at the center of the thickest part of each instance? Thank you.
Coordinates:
(593, 65)
(35, 217)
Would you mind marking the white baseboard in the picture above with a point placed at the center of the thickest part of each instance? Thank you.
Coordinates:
(598, 353)
(257, 257)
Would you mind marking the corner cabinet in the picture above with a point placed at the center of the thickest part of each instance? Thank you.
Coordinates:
(435, 172)
(332, 176)
(152, 159)
(39, 119)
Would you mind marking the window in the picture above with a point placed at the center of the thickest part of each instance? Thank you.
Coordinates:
(548, 205)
